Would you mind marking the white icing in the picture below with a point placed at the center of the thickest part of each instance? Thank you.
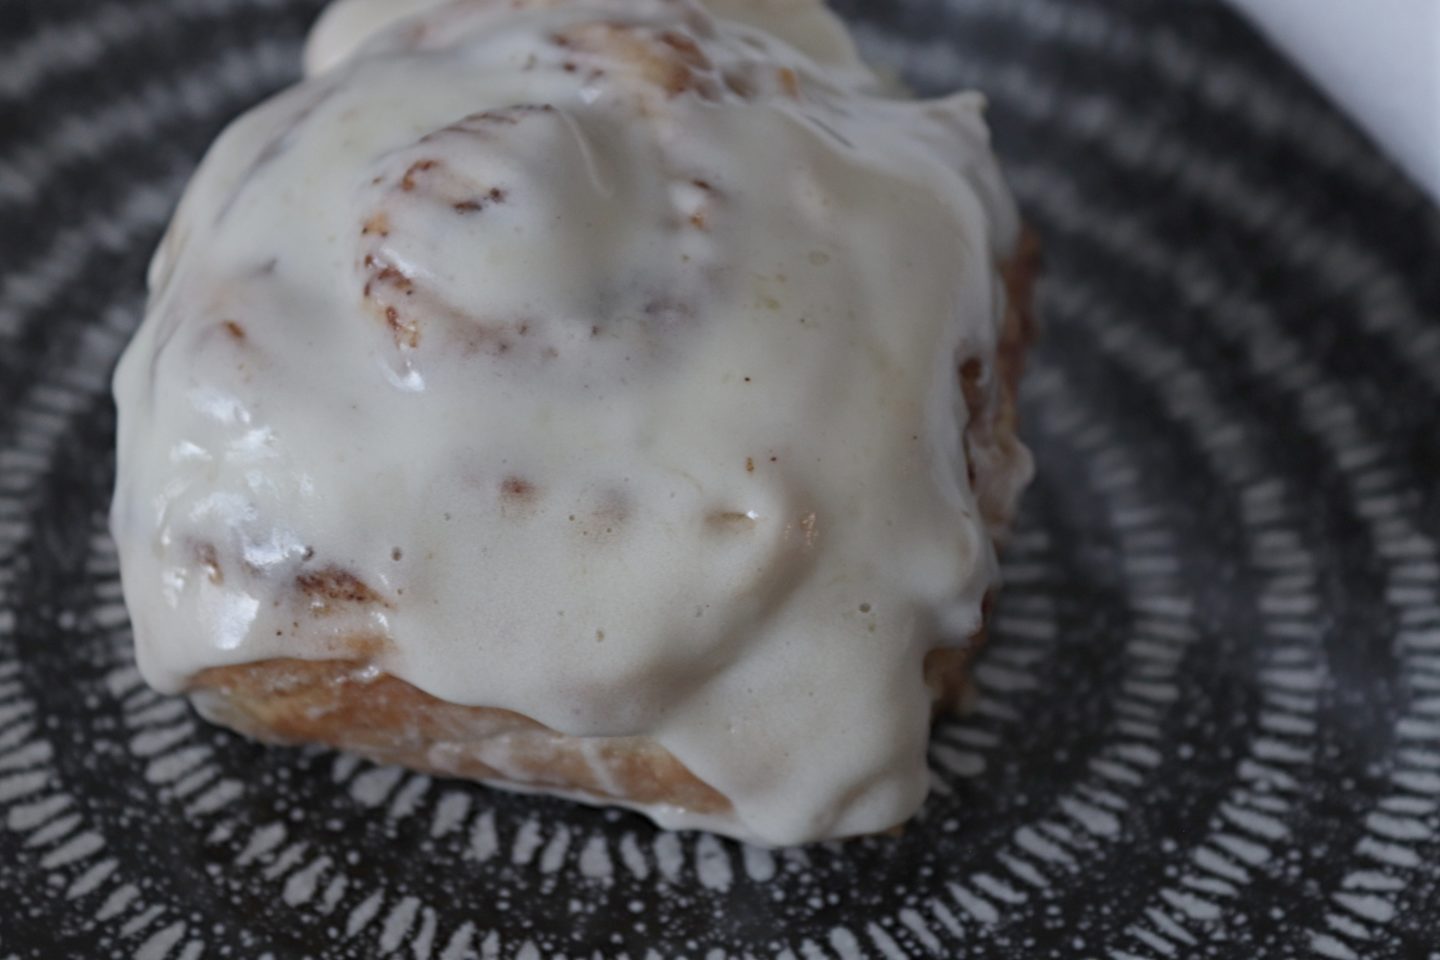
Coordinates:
(663, 437)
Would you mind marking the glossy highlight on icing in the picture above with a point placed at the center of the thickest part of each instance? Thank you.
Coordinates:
(595, 360)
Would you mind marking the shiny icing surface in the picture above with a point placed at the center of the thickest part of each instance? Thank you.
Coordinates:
(594, 360)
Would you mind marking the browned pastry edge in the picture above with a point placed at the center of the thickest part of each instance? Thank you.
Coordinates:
(348, 703)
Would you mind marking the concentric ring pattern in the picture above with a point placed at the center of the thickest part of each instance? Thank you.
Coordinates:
(1210, 718)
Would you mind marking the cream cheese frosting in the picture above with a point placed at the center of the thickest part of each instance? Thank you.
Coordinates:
(598, 358)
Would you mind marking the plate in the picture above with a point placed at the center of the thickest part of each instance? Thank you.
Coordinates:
(1210, 716)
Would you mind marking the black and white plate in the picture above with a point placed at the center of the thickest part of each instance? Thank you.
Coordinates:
(1210, 722)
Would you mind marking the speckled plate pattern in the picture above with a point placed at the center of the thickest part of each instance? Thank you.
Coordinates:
(1209, 722)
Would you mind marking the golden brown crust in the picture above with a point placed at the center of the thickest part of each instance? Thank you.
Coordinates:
(348, 703)
(1019, 273)
(991, 402)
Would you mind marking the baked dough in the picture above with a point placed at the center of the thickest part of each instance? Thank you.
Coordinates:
(353, 704)
(609, 398)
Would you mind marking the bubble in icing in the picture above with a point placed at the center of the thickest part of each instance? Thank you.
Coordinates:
(637, 323)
